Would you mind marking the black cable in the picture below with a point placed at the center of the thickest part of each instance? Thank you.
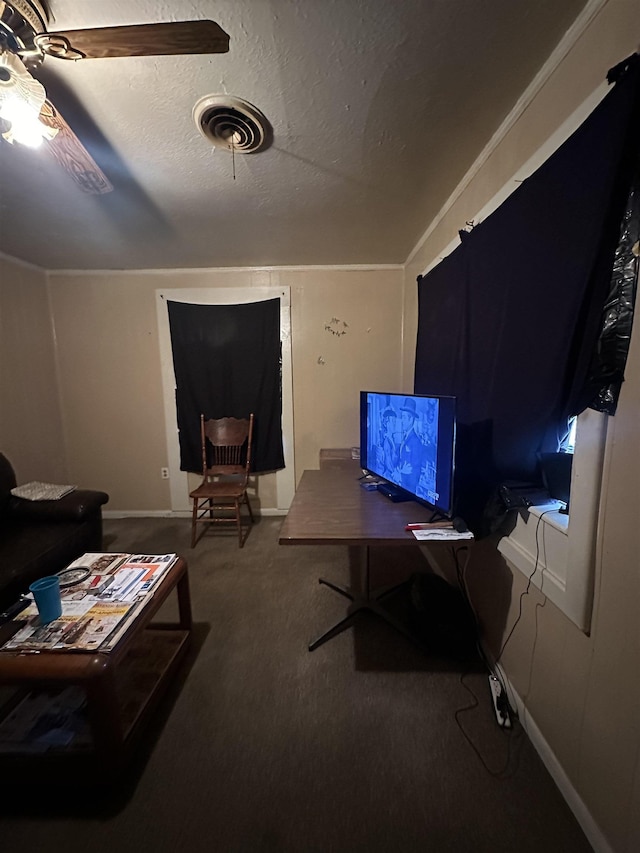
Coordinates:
(493, 670)
(513, 736)
(502, 772)
(497, 670)
(511, 706)
(528, 587)
(465, 592)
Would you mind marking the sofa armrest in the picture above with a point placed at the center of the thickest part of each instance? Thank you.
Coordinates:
(75, 506)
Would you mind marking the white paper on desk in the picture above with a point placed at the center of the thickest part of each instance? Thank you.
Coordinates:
(442, 533)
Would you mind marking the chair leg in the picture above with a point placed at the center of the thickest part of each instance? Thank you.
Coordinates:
(239, 522)
(193, 522)
(207, 506)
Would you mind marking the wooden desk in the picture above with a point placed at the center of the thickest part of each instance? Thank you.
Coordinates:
(331, 508)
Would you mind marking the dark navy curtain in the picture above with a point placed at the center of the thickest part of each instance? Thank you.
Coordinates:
(508, 322)
(227, 363)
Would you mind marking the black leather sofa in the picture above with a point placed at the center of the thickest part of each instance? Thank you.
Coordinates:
(39, 538)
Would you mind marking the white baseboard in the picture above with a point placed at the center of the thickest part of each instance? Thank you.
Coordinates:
(550, 761)
(126, 513)
(168, 513)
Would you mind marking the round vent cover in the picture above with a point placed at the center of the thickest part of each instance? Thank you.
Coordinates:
(232, 124)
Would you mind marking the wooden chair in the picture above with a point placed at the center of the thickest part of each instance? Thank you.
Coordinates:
(226, 457)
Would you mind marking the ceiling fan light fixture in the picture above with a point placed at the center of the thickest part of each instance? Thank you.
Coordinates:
(21, 100)
(27, 129)
(232, 124)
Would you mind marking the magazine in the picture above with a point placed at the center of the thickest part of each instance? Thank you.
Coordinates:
(46, 720)
(96, 610)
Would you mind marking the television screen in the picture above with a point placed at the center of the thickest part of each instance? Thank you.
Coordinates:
(408, 440)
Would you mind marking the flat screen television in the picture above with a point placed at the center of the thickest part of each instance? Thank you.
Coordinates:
(408, 441)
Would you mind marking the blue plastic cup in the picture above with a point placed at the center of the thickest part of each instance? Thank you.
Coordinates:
(46, 592)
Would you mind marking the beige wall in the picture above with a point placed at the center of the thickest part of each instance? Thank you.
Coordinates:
(30, 416)
(366, 357)
(110, 372)
(581, 692)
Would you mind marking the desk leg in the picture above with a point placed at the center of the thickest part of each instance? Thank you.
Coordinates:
(342, 590)
(365, 600)
(333, 631)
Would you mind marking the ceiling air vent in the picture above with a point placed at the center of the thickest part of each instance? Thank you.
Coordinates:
(232, 124)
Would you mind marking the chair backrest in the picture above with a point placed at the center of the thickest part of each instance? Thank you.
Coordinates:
(226, 445)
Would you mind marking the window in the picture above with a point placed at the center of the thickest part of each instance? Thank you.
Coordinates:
(569, 445)
(556, 550)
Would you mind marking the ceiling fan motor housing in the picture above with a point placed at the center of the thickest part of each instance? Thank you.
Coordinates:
(20, 22)
(232, 124)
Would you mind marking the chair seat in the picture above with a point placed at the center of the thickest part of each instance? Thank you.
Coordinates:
(230, 491)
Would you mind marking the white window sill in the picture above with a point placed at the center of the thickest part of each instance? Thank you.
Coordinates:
(553, 515)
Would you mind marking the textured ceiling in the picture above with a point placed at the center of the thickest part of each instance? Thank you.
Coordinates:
(378, 109)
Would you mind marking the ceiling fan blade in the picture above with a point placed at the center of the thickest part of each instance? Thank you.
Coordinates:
(136, 40)
(70, 153)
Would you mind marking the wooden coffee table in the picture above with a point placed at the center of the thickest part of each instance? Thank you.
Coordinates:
(122, 686)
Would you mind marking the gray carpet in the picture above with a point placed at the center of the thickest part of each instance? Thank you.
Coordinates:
(365, 744)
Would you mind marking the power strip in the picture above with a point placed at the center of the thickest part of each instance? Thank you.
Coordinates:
(500, 703)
